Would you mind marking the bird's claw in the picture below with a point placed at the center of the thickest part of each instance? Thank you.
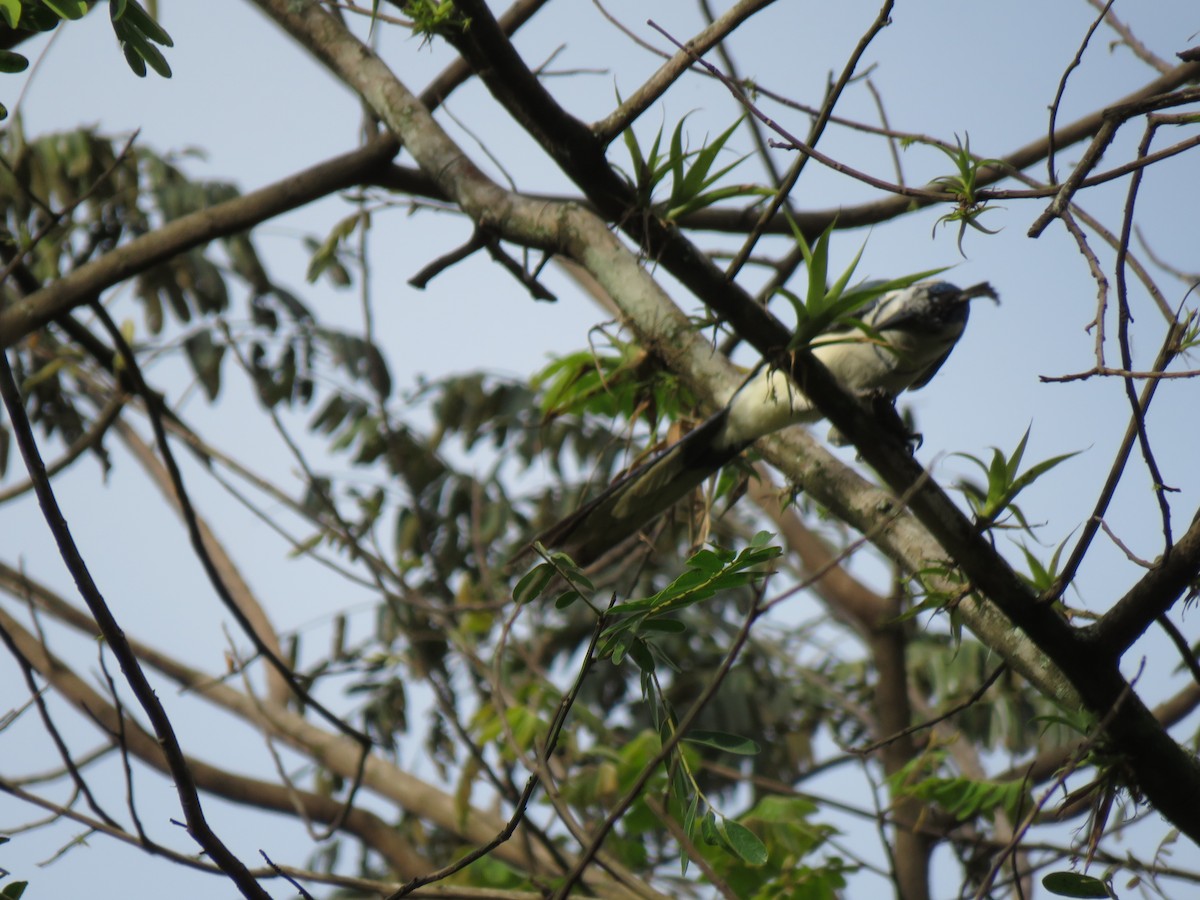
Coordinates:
(883, 405)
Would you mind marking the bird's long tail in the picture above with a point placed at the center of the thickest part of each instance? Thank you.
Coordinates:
(641, 495)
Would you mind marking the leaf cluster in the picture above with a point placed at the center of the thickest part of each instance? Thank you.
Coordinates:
(620, 382)
(1012, 716)
(964, 185)
(692, 173)
(430, 17)
(640, 631)
(964, 798)
(138, 33)
(69, 198)
(1004, 483)
(708, 572)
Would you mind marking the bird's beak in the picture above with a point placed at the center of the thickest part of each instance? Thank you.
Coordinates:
(983, 289)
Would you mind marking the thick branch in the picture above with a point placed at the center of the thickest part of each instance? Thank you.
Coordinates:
(1153, 595)
(847, 598)
(29, 314)
(1168, 778)
(662, 328)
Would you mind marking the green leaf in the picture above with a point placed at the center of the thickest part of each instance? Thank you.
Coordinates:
(67, 9)
(742, 841)
(1040, 576)
(963, 186)
(689, 188)
(676, 157)
(134, 16)
(827, 306)
(155, 59)
(205, 355)
(533, 583)
(525, 724)
(14, 891)
(729, 743)
(647, 170)
(692, 173)
(138, 33)
(708, 572)
(1073, 884)
(689, 828)
(10, 11)
(326, 253)
(620, 646)
(567, 568)
(566, 599)
(307, 545)
(634, 756)
(963, 797)
(698, 177)
(11, 63)
(640, 653)
(134, 59)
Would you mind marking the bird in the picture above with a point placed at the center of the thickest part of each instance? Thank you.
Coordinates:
(909, 334)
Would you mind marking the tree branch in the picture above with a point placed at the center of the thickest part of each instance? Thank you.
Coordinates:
(78, 287)
(1152, 596)
(1164, 772)
(185, 786)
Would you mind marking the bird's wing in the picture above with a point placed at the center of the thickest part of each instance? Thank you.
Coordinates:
(928, 374)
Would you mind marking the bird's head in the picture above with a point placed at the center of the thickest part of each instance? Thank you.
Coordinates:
(929, 307)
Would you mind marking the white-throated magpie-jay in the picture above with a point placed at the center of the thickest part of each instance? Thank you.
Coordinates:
(914, 329)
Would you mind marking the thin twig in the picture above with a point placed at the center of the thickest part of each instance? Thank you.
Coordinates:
(1123, 319)
(975, 697)
(1130, 40)
(1062, 87)
(882, 20)
(185, 784)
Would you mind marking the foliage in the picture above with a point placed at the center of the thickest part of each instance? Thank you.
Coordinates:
(1073, 884)
(1004, 483)
(136, 30)
(691, 173)
(729, 718)
(964, 798)
(963, 184)
(708, 573)
(623, 383)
